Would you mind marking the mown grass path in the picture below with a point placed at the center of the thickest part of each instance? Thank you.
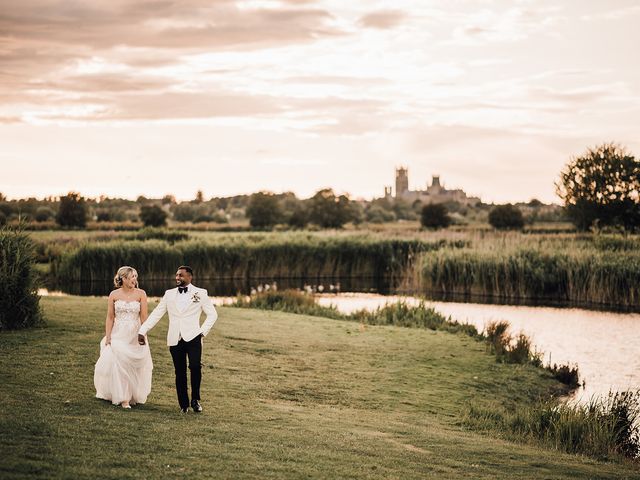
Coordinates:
(285, 396)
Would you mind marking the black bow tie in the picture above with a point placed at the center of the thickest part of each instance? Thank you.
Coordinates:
(182, 289)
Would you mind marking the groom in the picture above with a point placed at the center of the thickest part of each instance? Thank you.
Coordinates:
(184, 338)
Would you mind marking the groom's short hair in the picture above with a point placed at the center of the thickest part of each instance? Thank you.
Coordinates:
(187, 269)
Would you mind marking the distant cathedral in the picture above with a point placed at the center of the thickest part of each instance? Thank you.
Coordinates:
(435, 193)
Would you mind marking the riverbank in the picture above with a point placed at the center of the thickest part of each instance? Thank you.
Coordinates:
(582, 270)
(285, 396)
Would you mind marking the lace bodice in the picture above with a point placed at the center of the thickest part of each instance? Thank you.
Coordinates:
(127, 311)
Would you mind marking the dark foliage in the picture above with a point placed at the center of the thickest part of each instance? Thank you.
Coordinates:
(19, 300)
(434, 216)
(602, 188)
(72, 211)
(506, 217)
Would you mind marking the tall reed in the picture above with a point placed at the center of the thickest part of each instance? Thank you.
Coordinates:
(247, 257)
(585, 276)
(19, 300)
(603, 428)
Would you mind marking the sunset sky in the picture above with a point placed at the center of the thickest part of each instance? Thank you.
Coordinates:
(128, 98)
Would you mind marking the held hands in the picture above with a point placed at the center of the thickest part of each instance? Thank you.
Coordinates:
(107, 340)
(141, 339)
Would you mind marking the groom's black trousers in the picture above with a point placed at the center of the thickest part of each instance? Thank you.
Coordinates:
(179, 353)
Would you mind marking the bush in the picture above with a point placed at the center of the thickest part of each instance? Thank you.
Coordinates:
(434, 216)
(104, 216)
(506, 217)
(19, 300)
(378, 214)
(153, 216)
(44, 214)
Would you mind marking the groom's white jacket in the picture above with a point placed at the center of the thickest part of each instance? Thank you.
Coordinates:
(183, 323)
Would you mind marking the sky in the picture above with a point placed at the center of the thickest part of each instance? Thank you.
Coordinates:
(126, 98)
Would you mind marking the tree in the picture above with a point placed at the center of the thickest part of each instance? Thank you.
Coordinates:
(72, 211)
(264, 210)
(328, 211)
(602, 187)
(506, 217)
(168, 200)
(153, 216)
(435, 215)
(199, 197)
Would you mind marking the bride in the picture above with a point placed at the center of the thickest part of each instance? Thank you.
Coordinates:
(123, 371)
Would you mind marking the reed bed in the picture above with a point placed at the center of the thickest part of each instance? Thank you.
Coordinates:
(248, 256)
(583, 275)
(604, 428)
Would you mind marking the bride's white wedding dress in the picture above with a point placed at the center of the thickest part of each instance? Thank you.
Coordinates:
(123, 371)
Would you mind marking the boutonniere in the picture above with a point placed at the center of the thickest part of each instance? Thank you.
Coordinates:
(195, 298)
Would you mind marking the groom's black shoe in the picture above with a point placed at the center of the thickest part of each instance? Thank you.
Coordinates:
(195, 404)
(184, 410)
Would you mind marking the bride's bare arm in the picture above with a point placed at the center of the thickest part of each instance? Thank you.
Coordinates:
(109, 321)
(144, 308)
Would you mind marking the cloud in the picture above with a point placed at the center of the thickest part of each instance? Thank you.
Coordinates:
(573, 97)
(383, 19)
(54, 52)
(614, 14)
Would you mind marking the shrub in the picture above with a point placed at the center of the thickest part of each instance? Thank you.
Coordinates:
(44, 214)
(506, 217)
(19, 300)
(434, 216)
(153, 216)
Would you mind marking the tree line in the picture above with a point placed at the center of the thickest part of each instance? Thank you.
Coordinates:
(599, 189)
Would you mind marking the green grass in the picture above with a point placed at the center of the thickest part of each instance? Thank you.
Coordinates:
(285, 396)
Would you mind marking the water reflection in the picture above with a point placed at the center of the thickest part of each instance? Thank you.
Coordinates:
(604, 345)
(229, 287)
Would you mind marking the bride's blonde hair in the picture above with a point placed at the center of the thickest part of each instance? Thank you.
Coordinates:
(123, 272)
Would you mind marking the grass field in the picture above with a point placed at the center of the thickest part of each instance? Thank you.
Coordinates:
(285, 396)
